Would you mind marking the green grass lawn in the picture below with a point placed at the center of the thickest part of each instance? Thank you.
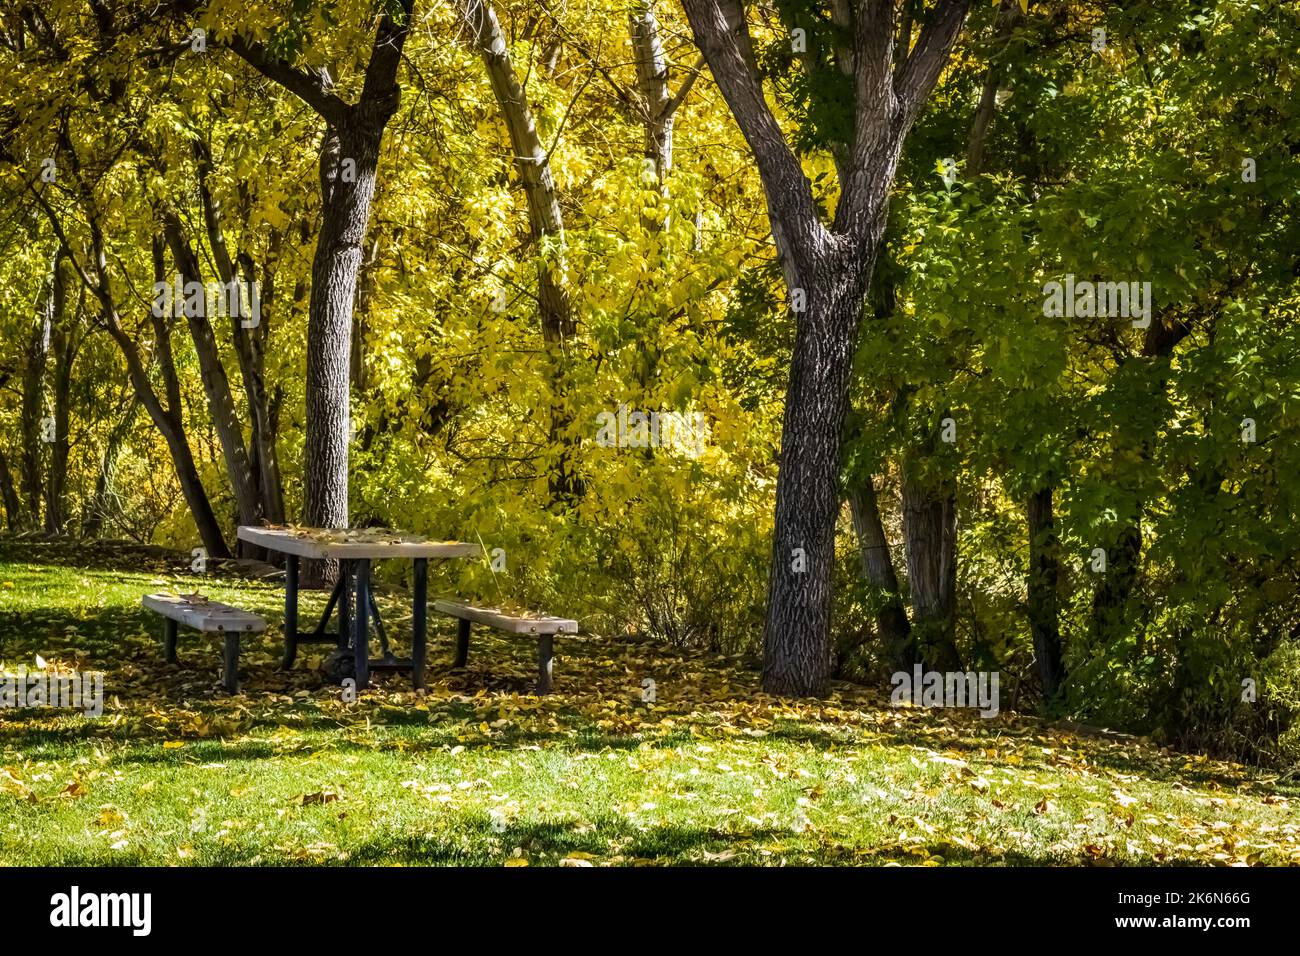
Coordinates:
(478, 772)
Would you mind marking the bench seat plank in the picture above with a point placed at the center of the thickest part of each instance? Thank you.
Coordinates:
(511, 623)
(209, 617)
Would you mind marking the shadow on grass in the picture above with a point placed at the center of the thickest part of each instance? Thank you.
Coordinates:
(91, 555)
(549, 842)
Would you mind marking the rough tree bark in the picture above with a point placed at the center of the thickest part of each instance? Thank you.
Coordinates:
(930, 530)
(827, 272)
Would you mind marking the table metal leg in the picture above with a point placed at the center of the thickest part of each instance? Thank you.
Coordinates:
(361, 609)
(345, 604)
(290, 610)
(419, 623)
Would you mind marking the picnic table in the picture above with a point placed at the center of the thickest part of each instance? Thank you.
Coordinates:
(355, 549)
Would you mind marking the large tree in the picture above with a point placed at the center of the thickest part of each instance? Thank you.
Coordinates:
(349, 161)
(827, 269)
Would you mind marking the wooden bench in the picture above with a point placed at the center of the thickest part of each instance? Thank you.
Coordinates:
(542, 627)
(209, 617)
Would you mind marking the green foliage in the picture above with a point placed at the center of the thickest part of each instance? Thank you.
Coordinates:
(1134, 173)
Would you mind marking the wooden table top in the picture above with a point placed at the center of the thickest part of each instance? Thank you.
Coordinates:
(352, 544)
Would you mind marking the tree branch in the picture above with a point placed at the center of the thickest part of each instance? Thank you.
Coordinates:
(921, 71)
(379, 90)
(313, 89)
(679, 97)
(796, 225)
(873, 58)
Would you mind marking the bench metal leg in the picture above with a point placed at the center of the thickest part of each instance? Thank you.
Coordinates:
(419, 623)
(230, 671)
(169, 640)
(290, 610)
(462, 642)
(545, 646)
(360, 638)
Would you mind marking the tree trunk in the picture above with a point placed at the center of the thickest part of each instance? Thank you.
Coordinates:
(930, 530)
(796, 646)
(63, 350)
(168, 419)
(169, 424)
(250, 346)
(9, 495)
(532, 162)
(878, 569)
(366, 280)
(652, 85)
(32, 421)
(830, 271)
(1008, 17)
(250, 343)
(349, 160)
(216, 386)
(1044, 577)
(96, 278)
(1110, 600)
(196, 497)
